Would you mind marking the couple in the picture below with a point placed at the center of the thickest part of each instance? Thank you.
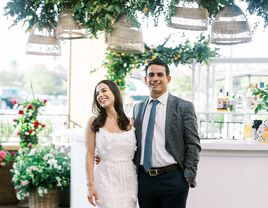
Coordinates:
(162, 139)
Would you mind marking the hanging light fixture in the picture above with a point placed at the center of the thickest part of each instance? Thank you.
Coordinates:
(125, 36)
(189, 16)
(68, 28)
(43, 42)
(230, 27)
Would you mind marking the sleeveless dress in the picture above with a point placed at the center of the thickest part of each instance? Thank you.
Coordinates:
(115, 176)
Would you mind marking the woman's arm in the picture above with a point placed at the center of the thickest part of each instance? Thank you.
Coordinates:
(90, 153)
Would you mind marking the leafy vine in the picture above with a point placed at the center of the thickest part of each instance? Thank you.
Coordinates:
(99, 15)
(119, 65)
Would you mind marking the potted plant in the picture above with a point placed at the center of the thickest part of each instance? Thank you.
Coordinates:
(7, 191)
(27, 124)
(262, 98)
(261, 126)
(39, 173)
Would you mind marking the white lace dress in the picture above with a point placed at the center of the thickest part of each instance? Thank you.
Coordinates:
(115, 176)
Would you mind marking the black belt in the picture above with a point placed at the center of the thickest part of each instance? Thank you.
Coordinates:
(162, 170)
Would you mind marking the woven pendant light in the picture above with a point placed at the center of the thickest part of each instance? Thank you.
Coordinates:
(125, 36)
(189, 16)
(43, 42)
(68, 28)
(230, 27)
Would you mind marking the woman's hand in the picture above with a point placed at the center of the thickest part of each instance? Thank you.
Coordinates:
(92, 194)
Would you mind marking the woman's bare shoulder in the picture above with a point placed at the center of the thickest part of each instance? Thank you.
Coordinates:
(90, 121)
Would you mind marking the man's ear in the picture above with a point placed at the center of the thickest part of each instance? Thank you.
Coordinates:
(145, 79)
(169, 78)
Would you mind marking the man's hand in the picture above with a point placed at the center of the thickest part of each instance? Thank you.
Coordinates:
(97, 159)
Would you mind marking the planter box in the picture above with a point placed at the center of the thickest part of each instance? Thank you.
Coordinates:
(7, 191)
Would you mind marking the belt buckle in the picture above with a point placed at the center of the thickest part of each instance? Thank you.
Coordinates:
(153, 172)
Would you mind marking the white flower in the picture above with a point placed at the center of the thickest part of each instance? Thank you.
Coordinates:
(47, 156)
(24, 183)
(32, 152)
(42, 191)
(33, 168)
(58, 181)
(52, 162)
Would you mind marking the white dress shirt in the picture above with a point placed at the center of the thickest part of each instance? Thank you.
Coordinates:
(160, 157)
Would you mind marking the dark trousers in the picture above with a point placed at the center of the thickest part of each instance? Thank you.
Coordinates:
(169, 190)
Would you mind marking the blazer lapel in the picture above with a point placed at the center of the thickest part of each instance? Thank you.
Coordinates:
(170, 108)
(141, 115)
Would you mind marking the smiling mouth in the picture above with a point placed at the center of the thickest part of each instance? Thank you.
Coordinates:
(154, 85)
(103, 100)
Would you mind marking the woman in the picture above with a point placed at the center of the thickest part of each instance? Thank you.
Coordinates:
(113, 182)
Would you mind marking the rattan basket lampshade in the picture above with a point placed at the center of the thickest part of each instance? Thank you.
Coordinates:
(189, 16)
(68, 28)
(43, 42)
(230, 27)
(125, 37)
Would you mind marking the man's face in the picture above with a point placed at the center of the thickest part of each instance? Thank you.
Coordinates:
(157, 80)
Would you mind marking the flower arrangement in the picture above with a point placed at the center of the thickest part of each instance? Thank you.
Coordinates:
(26, 124)
(262, 98)
(40, 169)
(6, 157)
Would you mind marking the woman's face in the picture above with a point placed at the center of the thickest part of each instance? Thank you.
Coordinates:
(105, 96)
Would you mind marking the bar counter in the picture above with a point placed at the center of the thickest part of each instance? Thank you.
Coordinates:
(231, 174)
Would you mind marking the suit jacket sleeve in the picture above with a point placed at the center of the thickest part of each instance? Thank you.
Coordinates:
(192, 144)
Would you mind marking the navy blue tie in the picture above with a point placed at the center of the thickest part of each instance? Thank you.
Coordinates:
(147, 163)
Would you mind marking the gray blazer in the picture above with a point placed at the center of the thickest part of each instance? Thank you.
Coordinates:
(181, 134)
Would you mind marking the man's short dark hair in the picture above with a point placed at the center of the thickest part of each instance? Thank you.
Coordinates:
(157, 61)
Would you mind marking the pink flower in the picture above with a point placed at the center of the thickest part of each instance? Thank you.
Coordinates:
(18, 133)
(12, 153)
(14, 102)
(30, 145)
(44, 101)
(3, 154)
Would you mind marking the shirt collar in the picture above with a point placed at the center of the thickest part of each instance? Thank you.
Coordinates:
(162, 99)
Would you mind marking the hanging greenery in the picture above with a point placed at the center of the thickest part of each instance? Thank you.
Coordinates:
(99, 15)
(119, 65)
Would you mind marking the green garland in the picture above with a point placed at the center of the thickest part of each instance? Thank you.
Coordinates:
(99, 15)
(119, 65)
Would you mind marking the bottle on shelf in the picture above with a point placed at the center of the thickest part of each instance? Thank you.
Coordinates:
(261, 85)
(250, 99)
(248, 131)
(233, 103)
(220, 100)
(226, 102)
(239, 103)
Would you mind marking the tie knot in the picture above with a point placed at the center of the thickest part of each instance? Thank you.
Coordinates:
(155, 102)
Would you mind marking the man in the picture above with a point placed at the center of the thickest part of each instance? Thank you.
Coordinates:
(166, 130)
